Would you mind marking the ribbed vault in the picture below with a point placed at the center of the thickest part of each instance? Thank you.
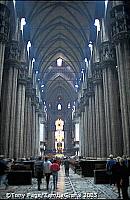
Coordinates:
(59, 29)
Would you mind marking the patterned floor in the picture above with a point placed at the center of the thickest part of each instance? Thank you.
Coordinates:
(72, 187)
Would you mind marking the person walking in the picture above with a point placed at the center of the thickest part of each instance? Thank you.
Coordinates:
(3, 172)
(47, 171)
(116, 173)
(66, 166)
(110, 163)
(54, 169)
(39, 170)
(124, 179)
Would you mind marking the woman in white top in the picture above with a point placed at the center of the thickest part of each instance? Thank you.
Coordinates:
(47, 171)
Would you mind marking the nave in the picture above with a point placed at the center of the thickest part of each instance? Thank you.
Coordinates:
(73, 186)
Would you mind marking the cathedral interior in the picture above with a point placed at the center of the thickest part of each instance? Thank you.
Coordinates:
(64, 78)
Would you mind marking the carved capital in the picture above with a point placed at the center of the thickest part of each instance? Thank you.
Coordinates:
(29, 87)
(37, 105)
(97, 73)
(12, 51)
(4, 23)
(90, 90)
(107, 55)
(120, 23)
(22, 76)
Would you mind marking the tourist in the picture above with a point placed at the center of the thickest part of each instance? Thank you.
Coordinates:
(54, 169)
(110, 163)
(66, 166)
(116, 173)
(3, 171)
(124, 179)
(47, 171)
(39, 171)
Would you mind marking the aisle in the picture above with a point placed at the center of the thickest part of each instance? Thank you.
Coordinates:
(72, 186)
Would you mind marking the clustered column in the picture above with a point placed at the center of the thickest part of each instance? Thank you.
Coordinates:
(99, 110)
(120, 34)
(20, 107)
(4, 35)
(111, 99)
(9, 93)
(91, 120)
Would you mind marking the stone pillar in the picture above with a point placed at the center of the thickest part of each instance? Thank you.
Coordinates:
(37, 140)
(99, 111)
(120, 34)
(91, 119)
(86, 127)
(33, 135)
(111, 99)
(4, 35)
(28, 119)
(9, 91)
(19, 128)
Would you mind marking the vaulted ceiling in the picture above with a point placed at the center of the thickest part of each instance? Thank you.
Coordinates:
(59, 29)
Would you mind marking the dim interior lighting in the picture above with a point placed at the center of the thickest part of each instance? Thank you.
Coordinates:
(59, 62)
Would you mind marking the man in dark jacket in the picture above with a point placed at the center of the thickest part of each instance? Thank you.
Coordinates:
(39, 171)
(124, 173)
(3, 171)
(66, 165)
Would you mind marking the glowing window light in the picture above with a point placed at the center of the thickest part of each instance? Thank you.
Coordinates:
(42, 86)
(59, 106)
(33, 60)
(97, 24)
(59, 62)
(36, 72)
(76, 85)
(106, 2)
(86, 60)
(68, 105)
(28, 46)
(23, 22)
(14, 2)
(91, 47)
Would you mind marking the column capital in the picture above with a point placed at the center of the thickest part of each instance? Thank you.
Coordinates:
(4, 23)
(12, 53)
(97, 73)
(90, 90)
(33, 97)
(120, 23)
(107, 55)
(37, 105)
(22, 78)
(29, 87)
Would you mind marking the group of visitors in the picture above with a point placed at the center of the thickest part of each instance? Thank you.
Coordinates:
(46, 168)
(118, 172)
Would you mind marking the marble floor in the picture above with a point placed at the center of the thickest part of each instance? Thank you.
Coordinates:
(72, 187)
